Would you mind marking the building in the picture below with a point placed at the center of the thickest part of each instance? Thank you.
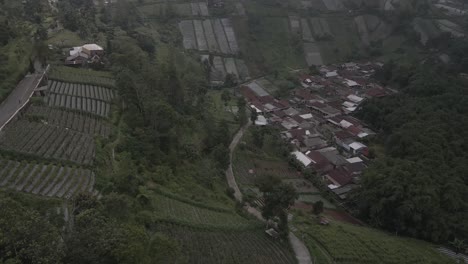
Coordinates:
(88, 53)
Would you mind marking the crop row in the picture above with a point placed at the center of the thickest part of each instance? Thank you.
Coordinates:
(45, 179)
(96, 107)
(77, 121)
(215, 35)
(167, 208)
(222, 66)
(229, 246)
(81, 90)
(47, 141)
(83, 76)
(352, 244)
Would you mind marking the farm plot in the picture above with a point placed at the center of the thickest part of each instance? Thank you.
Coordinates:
(345, 243)
(47, 141)
(249, 168)
(231, 37)
(77, 121)
(221, 37)
(220, 67)
(312, 54)
(188, 34)
(371, 28)
(45, 179)
(448, 26)
(82, 76)
(200, 35)
(181, 212)
(210, 36)
(321, 28)
(306, 33)
(228, 247)
(295, 24)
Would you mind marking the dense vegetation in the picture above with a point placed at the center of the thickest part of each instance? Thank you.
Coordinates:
(419, 186)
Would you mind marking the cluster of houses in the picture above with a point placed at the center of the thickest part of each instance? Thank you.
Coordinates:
(316, 118)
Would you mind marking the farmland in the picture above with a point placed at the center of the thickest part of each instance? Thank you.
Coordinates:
(80, 97)
(48, 141)
(157, 10)
(45, 179)
(182, 212)
(214, 35)
(345, 243)
(79, 122)
(83, 76)
(201, 246)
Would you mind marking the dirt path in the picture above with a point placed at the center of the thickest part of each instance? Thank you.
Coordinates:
(301, 251)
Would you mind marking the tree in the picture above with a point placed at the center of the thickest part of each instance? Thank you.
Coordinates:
(226, 97)
(278, 198)
(26, 236)
(459, 245)
(318, 208)
(241, 112)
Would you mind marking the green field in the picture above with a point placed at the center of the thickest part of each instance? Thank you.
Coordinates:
(218, 247)
(82, 76)
(65, 38)
(345, 243)
(181, 212)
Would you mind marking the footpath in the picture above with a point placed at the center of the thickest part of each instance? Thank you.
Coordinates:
(301, 251)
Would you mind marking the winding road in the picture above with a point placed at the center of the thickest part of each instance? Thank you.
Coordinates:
(301, 251)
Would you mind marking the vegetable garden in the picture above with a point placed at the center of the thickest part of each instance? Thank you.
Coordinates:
(181, 212)
(84, 123)
(45, 179)
(219, 247)
(88, 98)
(82, 76)
(47, 141)
(345, 243)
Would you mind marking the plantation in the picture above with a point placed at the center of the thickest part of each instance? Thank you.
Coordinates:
(45, 179)
(200, 246)
(182, 212)
(79, 122)
(157, 10)
(345, 243)
(81, 97)
(48, 141)
(82, 76)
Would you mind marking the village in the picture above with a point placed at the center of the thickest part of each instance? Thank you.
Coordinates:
(317, 120)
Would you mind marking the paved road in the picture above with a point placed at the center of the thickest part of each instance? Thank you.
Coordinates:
(301, 251)
(18, 98)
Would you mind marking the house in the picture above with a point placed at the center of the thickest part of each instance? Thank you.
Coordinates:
(355, 99)
(314, 143)
(342, 192)
(324, 109)
(319, 163)
(333, 156)
(261, 121)
(358, 148)
(337, 178)
(88, 53)
(303, 159)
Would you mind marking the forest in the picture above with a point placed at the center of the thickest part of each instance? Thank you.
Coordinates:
(418, 186)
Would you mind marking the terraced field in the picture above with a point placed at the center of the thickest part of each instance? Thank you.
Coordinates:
(345, 243)
(170, 209)
(156, 10)
(213, 35)
(82, 76)
(81, 97)
(48, 141)
(79, 122)
(228, 246)
(220, 67)
(45, 179)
